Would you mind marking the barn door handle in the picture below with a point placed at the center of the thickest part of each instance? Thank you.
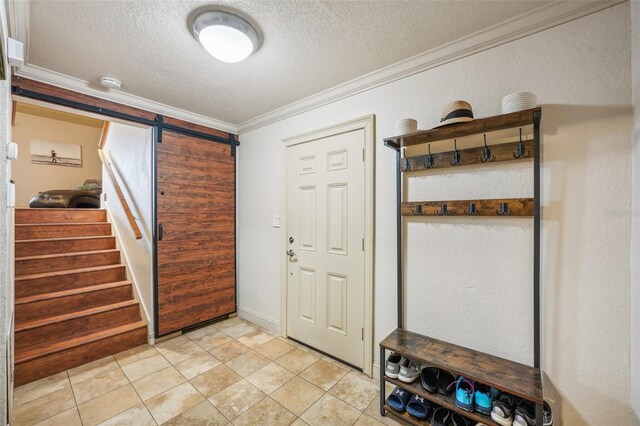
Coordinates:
(160, 232)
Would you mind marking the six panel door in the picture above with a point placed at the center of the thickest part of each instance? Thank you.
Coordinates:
(196, 231)
(326, 222)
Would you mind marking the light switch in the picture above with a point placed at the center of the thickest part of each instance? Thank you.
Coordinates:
(276, 221)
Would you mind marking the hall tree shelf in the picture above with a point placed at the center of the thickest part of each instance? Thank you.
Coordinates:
(517, 379)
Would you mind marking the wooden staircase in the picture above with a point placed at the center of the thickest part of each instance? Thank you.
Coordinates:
(73, 303)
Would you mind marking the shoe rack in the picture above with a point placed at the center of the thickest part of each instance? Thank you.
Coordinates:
(517, 379)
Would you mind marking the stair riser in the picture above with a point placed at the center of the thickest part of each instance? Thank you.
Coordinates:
(59, 216)
(54, 284)
(38, 368)
(35, 232)
(38, 266)
(37, 248)
(73, 303)
(75, 327)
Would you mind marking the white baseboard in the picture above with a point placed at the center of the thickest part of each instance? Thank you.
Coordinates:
(261, 320)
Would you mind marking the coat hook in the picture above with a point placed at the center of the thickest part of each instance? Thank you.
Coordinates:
(471, 210)
(456, 154)
(418, 211)
(504, 210)
(443, 210)
(486, 153)
(430, 163)
(405, 166)
(521, 149)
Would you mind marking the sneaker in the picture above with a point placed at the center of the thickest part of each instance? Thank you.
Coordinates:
(547, 415)
(465, 390)
(393, 365)
(525, 414)
(409, 371)
(484, 397)
(502, 409)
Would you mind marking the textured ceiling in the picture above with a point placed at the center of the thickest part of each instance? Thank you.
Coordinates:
(308, 46)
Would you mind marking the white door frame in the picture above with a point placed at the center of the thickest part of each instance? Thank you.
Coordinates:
(366, 123)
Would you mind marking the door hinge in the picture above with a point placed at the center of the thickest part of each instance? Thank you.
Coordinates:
(362, 333)
(363, 244)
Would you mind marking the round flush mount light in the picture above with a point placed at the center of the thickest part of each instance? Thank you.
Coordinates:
(225, 36)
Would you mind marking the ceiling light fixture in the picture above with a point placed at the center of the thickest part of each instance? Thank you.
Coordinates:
(225, 36)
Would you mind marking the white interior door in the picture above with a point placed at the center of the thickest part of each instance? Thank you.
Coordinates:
(326, 229)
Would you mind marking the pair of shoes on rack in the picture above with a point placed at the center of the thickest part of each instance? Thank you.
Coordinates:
(401, 368)
(436, 380)
(444, 417)
(403, 400)
(472, 396)
(505, 408)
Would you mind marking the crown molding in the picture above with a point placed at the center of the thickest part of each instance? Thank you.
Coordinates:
(542, 18)
(71, 83)
(539, 19)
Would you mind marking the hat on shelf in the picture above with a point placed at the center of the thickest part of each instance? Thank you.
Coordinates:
(456, 112)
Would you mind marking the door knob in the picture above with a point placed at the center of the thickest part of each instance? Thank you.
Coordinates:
(291, 253)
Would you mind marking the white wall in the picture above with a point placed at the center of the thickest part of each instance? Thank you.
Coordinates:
(130, 150)
(478, 273)
(6, 230)
(635, 226)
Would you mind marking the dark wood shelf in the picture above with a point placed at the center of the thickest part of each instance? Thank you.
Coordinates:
(405, 417)
(469, 157)
(446, 401)
(507, 376)
(519, 207)
(478, 126)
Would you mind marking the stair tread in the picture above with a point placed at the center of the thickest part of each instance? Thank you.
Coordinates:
(66, 272)
(77, 253)
(71, 292)
(49, 348)
(60, 224)
(91, 237)
(29, 325)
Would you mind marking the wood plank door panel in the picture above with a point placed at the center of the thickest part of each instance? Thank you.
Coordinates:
(196, 251)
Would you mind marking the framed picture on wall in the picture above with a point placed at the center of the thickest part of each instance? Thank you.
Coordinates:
(56, 153)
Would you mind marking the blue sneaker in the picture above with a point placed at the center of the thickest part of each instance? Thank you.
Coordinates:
(465, 390)
(484, 397)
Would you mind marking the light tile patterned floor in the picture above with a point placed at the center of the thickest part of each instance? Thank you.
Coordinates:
(232, 372)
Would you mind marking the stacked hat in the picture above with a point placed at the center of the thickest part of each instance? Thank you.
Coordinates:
(456, 112)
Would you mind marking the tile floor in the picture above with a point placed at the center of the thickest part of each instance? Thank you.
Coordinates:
(232, 372)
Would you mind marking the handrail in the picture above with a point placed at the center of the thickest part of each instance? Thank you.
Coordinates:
(103, 134)
(123, 201)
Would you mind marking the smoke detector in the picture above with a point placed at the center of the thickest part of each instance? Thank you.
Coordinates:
(110, 82)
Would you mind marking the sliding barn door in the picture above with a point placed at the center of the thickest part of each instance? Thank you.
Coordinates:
(195, 231)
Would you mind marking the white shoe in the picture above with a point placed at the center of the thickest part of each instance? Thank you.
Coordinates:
(392, 367)
(409, 371)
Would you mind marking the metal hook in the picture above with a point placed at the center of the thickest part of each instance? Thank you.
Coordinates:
(504, 210)
(405, 166)
(486, 153)
(521, 149)
(471, 210)
(430, 164)
(443, 210)
(418, 211)
(456, 154)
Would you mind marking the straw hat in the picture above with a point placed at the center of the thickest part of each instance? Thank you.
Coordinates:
(456, 112)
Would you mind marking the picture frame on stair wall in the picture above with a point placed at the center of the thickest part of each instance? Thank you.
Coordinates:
(56, 153)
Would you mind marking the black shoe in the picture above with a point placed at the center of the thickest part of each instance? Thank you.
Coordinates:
(441, 417)
(429, 378)
(502, 409)
(547, 415)
(460, 420)
(446, 382)
(525, 414)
